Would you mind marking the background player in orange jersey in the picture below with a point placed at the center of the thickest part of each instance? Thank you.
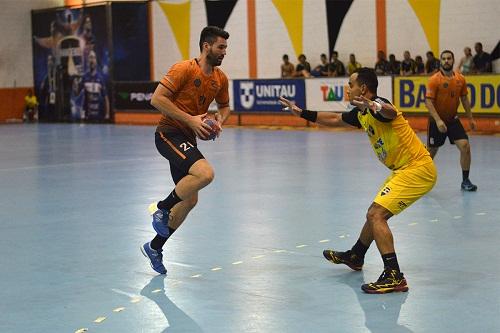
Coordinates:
(183, 97)
(445, 90)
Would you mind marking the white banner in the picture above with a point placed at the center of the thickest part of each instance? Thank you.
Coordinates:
(330, 94)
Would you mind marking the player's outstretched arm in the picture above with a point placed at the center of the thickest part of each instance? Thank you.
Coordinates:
(330, 119)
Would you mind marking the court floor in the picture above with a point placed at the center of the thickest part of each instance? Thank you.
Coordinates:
(249, 257)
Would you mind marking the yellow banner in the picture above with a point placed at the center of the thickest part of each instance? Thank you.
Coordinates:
(291, 12)
(484, 93)
(427, 12)
(178, 16)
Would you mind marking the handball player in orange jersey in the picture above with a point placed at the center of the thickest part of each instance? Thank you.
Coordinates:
(445, 90)
(183, 97)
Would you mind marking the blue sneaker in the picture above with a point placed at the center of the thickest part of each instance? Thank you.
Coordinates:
(468, 186)
(155, 258)
(160, 222)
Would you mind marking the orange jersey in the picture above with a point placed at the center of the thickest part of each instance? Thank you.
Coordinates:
(192, 92)
(445, 92)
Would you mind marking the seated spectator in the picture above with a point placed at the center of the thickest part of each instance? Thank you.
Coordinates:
(336, 67)
(353, 65)
(30, 107)
(482, 60)
(432, 64)
(466, 64)
(408, 66)
(382, 65)
(419, 63)
(394, 65)
(287, 68)
(321, 69)
(303, 68)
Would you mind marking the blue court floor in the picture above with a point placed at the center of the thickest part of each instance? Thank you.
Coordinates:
(249, 258)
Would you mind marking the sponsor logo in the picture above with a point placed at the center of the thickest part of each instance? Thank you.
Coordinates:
(402, 204)
(332, 93)
(140, 97)
(264, 94)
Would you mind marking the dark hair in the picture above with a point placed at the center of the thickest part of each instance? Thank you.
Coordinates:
(335, 53)
(209, 34)
(368, 77)
(285, 56)
(447, 51)
(323, 55)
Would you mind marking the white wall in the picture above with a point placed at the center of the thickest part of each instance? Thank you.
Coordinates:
(462, 23)
(16, 64)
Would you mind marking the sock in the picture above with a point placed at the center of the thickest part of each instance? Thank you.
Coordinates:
(158, 242)
(359, 249)
(390, 261)
(169, 201)
(465, 175)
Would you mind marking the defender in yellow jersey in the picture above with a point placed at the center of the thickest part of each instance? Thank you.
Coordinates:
(399, 149)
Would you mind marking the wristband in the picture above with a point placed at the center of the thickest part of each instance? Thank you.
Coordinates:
(309, 115)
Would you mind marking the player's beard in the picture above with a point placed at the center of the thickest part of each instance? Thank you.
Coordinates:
(213, 60)
(447, 67)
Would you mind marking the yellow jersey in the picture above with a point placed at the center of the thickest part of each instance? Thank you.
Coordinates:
(393, 140)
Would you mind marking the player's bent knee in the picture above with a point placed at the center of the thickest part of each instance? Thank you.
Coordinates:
(191, 202)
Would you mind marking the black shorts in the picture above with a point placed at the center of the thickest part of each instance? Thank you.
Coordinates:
(455, 132)
(180, 151)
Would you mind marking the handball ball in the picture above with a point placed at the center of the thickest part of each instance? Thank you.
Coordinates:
(213, 133)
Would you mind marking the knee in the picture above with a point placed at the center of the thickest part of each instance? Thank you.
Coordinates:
(374, 217)
(191, 202)
(466, 147)
(206, 175)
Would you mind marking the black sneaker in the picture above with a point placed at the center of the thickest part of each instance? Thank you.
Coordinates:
(389, 281)
(352, 260)
(468, 186)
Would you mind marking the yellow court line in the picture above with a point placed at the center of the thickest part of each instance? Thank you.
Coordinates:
(216, 269)
(99, 320)
(279, 251)
(324, 241)
(135, 300)
(156, 291)
(237, 262)
(258, 257)
(412, 224)
(120, 309)
(196, 276)
(81, 330)
(302, 245)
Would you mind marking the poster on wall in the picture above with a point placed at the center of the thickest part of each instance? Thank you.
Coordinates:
(71, 64)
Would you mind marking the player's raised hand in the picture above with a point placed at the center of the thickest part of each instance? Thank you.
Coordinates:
(362, 102)
(290, 106)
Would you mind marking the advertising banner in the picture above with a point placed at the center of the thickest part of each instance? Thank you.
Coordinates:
(483, 93)
(330, 94)
(133, 95)
(262, 95)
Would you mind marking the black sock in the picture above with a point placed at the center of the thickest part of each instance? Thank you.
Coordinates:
(169, 201)
(158, 242)
(359, 248)
(390, 261)
(465, 175)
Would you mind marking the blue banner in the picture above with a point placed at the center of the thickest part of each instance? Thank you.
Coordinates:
(262, 95)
